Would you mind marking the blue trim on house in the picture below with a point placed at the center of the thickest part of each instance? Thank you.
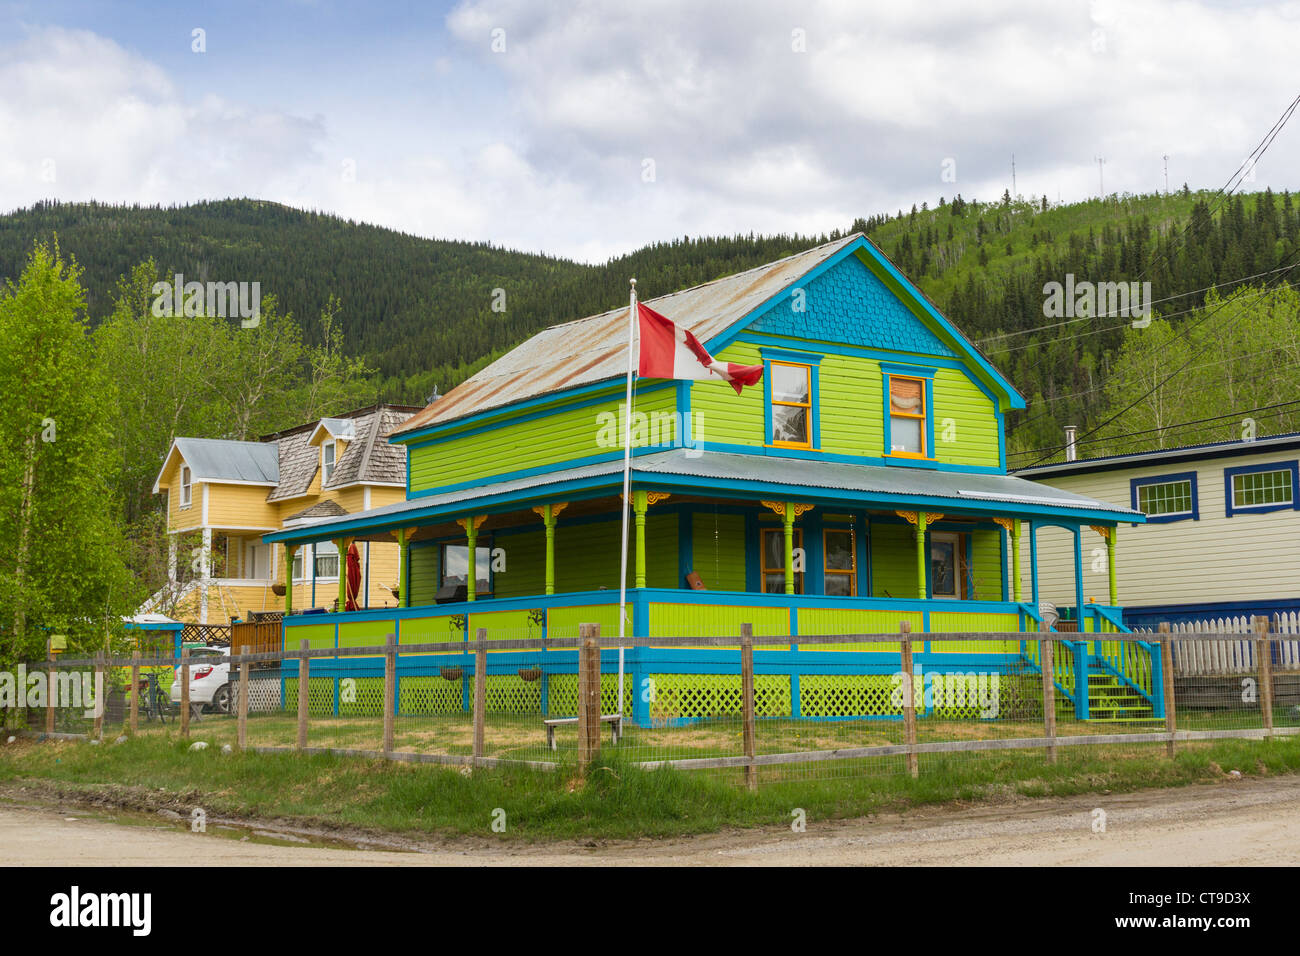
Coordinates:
(1150, 616)
(929, 461)
(1292, 505)
(1135, 483)
(774, 354)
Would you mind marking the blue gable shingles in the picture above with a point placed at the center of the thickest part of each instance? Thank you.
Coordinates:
(850, 305)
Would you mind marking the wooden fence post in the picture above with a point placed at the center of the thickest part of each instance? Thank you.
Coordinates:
(243, 703)
(304, 693)
(390, 692)
(135, 691)
(588, 694)
(747, 701)
(1167, 670)
(1047, 664)
(1264, 655)
(909, 699)
(101, 662)
(185, 691)
(50, 684)
(480, 692)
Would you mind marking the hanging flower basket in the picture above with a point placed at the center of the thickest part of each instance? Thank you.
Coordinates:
(530, 674)
(451, 673)
(277, 590)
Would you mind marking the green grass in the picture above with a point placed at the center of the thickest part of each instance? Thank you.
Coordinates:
(616, 801)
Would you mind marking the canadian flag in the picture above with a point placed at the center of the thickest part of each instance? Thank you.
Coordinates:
(671, 352)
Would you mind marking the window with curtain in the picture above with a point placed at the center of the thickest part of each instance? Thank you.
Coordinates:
(907, 416)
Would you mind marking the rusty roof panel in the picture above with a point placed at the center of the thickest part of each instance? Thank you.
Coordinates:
(594, 349)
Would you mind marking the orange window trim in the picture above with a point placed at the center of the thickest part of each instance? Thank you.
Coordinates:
(921, 416)
(807, 370)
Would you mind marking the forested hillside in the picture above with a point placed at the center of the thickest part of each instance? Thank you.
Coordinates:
(420, 312)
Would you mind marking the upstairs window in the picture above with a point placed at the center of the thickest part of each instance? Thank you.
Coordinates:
(187, 486)
(1165, 498)
(907, 417)
(327, 466)
(1254, 489)
(791, 390)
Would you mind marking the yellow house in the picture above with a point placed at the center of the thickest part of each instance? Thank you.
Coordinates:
(224, 495)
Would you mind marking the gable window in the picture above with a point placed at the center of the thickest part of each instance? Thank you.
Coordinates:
(791, 404)
(1256, 489)
(328, 451)
(326, 563)
(774, 561)
(187, 486)
(455, 567)
(907, 417)
(1164, 498)
(840, 559)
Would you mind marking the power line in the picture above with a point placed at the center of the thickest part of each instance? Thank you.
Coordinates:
(1170, 427)
(1187, 328)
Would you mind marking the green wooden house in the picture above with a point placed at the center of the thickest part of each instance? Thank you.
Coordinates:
(861, 484)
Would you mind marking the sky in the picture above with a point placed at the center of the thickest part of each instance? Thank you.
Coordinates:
(588, 130)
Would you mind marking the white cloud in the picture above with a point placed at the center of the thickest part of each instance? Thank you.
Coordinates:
(746, 132)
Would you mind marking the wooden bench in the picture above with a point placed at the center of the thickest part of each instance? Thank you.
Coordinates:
(614, 720)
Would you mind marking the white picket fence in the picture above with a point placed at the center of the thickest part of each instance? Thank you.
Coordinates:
(1202, 658)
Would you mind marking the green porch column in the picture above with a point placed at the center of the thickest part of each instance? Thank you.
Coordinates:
(1012, 526)
(920, 555)
(1109, 534)
(550, 513)
(289, 551)
(471, 526)
(788, 522)
(342, 544)
(639, 506)
(403, 536)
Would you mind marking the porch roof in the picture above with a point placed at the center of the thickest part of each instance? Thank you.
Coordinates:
(739, 475)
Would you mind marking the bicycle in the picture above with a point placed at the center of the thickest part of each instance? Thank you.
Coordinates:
(154, 702)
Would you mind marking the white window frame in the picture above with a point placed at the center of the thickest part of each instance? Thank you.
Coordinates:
(187, 486)
(301, 562)
(327, 466)
(325, 549)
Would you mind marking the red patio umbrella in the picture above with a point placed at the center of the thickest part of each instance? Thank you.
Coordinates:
(354, 577)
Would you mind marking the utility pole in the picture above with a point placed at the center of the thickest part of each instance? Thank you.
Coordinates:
(1166, 157)
(1101, 179)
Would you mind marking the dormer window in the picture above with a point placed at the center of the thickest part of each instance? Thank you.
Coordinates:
(327, 461)
(187, 486)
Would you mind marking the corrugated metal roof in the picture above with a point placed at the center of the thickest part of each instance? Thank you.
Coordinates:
(217, 459)
(1220, 449)
(595, 348)
(962, 488)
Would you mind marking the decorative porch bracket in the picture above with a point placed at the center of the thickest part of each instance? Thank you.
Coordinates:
(550, 513)
(788, 511)
(471, 526)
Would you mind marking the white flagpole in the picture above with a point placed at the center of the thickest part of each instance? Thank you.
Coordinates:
(627, 488)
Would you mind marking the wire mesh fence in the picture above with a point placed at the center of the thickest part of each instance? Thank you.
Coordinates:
(749, 708)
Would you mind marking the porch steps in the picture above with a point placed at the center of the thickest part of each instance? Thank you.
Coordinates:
(1111, 701)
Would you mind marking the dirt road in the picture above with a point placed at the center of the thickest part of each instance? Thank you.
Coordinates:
(1246, 822)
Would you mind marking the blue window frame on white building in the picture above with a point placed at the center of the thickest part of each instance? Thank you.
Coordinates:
(1165, 498)
(1258, 489)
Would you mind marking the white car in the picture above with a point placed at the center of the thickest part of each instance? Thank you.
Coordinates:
(209, 680)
